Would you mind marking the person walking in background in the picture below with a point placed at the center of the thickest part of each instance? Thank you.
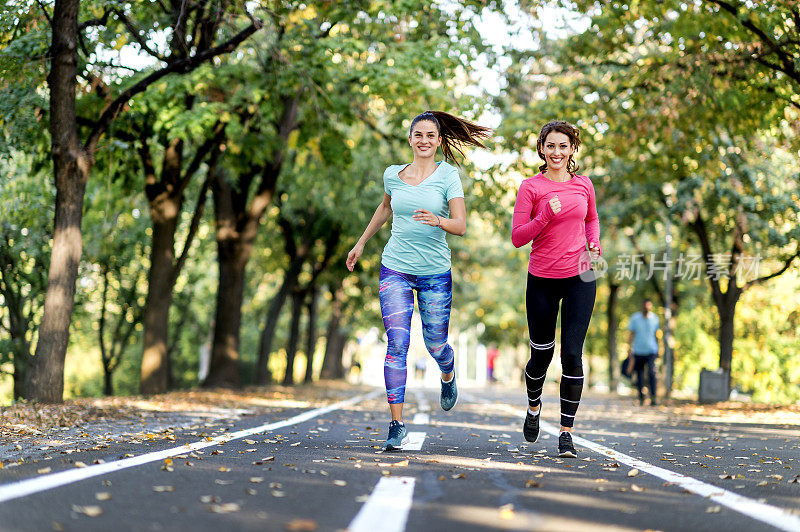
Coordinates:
(491, 360)
(426, 200)
(419, 369)
(644, 348)
(555, 211)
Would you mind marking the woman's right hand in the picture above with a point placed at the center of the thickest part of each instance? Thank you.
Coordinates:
(354, 255)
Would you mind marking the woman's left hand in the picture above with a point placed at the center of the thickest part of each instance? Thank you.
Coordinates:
(594, 251)
(427, 217)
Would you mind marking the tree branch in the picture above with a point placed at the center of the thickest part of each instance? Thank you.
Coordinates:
(786, 265)
(211, 144)
(699, 227)
(183, 66)
(46, 14)
(137, 37)
(196, 217)
(788, 67)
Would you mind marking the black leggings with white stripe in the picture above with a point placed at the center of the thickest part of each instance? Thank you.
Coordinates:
(576, 295)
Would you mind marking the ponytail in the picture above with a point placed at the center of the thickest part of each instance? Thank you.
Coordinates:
(455, 132)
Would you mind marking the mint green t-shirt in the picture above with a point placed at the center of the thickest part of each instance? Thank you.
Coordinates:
(415, 248)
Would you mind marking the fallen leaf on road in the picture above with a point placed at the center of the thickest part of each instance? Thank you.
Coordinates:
(221, 482)
(44, 470)
(223, 469)
(507, 511)
(277, 493)
(225, 508)
(532, 484)
(713, 509)
(460, 475)
(726, 477)
(205, 499)
(762, 483)
(339, 483)
(163, 489)
(633, 472)
(102, 496)
(250, 442)
(256, 480)
(91, 511)
(251, 491)
(80, 464)
(636, 488)
(299, 525)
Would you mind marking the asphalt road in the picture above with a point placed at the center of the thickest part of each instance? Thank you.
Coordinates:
(473, 471)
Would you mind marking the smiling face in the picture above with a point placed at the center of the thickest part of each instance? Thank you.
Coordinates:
(557, 150)
(424, 139)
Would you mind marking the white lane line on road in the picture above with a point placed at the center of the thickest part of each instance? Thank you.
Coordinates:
(30, 486)
(387, 508)
(421, 418)
(415, 441)
(766, 513)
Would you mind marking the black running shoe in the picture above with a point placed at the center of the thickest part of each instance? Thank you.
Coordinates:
(530, 429)
(565, 447)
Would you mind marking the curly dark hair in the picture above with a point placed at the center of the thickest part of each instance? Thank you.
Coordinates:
(570, 131)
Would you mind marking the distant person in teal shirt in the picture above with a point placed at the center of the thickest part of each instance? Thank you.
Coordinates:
(425, 200)
(644, 347)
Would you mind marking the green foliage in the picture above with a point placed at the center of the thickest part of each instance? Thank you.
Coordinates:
(26, 204)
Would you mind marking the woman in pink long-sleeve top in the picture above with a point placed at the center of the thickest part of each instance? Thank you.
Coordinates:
(555, 212)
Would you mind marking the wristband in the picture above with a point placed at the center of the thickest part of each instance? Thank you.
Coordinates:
(438, 221)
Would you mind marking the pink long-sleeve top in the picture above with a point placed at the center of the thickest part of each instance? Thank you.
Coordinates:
(559, 241)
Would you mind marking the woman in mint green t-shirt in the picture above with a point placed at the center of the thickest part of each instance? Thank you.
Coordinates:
(426, 201)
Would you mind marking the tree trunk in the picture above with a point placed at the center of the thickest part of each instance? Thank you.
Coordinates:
(611, 317)
(311, 335)
(71, 168)
(160, 286)
(294, 336)
(263, 375)
(21, 360)
(332, 367)
(726, 318)
(108, 383)
(224, 367)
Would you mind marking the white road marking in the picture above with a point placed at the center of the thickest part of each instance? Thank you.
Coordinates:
(30, 486)
(415, 441)
(387, 508)
(421, 418)
(766, 513)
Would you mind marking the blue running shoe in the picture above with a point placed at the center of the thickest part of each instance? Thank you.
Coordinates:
(449, 396)
(397, 436)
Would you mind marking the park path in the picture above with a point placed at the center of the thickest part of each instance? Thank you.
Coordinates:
(317, 465)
